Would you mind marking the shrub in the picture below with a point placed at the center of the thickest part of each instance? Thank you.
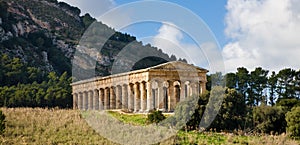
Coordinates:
(155, 117)
(269, 118)
(293, 122)
(2, 122)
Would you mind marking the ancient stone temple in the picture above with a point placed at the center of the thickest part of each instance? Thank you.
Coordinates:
(159, 87)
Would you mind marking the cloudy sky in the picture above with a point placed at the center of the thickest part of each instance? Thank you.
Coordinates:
(250, 33)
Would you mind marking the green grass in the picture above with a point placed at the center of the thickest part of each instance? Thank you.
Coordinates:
(134, 119)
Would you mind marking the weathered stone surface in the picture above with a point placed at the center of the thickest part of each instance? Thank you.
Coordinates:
(159, 87)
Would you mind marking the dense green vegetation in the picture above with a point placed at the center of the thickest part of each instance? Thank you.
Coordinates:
(254, 101)
(155, 117)
(24, 86)
(293, 121)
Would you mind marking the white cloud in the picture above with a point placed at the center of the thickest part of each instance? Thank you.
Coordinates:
(170, 40)
(263, 33)
(94, 7)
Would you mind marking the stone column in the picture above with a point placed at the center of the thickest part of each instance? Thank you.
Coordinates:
(96, 100)
(182, 92)
(106, 98)
(130, 98)
(149, 97)
(187, 89)
(112, 98)
(202, 87)
(137, 97)
(75, 101)
(195, 89)
(155, 97)
(118, 97)
(80, 101)
(143, 96)
(160, 96)
(124, 97)
(101, 99)
(90, 100)
(85, 100)
(170, 97)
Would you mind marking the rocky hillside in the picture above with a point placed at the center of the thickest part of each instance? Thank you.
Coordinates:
(44, 34)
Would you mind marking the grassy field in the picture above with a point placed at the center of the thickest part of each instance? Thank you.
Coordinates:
(55, 126)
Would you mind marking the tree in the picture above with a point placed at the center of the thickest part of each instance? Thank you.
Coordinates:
(272, 85)
(231, 80)
(194, 122)
(257, 83)
(173, 58)
(217, 79)
(232, 112)
(2, 122)
(242, 81)
(297, 84)
(293, 122)
(3, 9)
(87, 20)
(269, 119)
(288, 104)
(155, 117)
(286, 85)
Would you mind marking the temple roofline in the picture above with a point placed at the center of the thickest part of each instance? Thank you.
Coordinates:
(139, 71)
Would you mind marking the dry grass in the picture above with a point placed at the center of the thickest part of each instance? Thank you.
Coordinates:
(47, 126)
(55, 126)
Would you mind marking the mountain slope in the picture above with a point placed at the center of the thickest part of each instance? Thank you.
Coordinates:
(44, 34)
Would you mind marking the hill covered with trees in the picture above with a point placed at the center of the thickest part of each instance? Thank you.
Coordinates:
(38, 39)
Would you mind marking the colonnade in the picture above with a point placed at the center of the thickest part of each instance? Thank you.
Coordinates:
(138, 96)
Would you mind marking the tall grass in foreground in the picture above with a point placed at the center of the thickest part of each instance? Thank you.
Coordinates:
(55, 126)
(47, 126)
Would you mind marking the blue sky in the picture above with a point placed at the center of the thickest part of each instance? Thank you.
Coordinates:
(256, 33)
(211, 11)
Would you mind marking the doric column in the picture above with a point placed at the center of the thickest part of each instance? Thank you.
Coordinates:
(106, 98)
(143, 97)
(160, 96)
(75, 100)
(80, 101)
(187, 89)
(90, 100)
(96, 100)
(202, 87)
(101, 99)
(182, 91)
(195, 88)
(155, 97)
(137, 97)
(112, 98)
(171, 96)
(130, 98)
(124, 97)
(85, 100)
(150, 105)
(118, 97)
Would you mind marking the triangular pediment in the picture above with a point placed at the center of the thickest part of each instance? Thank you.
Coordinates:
(178, 65)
